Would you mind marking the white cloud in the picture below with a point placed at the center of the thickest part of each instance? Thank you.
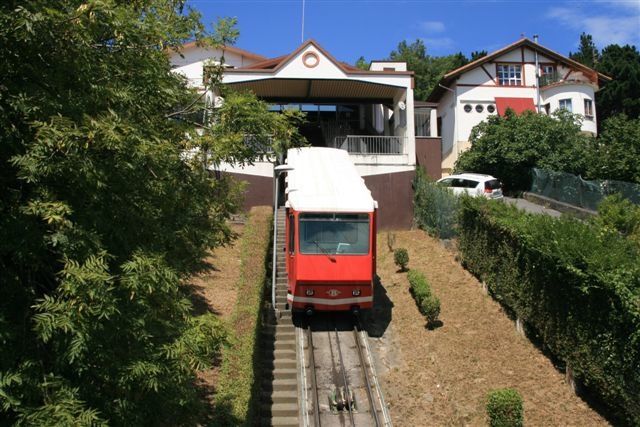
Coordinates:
(438, 43)
(619, 23)
(432, 26)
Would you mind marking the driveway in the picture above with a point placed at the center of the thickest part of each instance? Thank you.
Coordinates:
(532, 207)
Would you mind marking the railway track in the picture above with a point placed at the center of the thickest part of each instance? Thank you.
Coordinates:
(317, 371)
(338, 377)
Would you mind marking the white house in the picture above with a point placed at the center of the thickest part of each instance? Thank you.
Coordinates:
(369, 113)
(522, 76)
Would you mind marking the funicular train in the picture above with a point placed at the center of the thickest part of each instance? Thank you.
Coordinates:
(330, 232)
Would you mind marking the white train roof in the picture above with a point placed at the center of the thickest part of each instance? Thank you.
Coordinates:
(325, 180)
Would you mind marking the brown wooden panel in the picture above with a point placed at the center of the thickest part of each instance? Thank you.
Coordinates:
(429, 155)
(258, 190)
(394, 194)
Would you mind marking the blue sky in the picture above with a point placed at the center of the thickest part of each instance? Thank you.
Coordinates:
(373, 28)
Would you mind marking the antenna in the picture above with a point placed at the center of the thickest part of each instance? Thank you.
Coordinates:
(302, 32)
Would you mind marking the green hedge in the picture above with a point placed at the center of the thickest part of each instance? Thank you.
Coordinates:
(435, 207)
(575, 284)
(428, 304)
(237, 389)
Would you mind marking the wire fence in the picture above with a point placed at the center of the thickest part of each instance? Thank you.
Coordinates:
(576, 191)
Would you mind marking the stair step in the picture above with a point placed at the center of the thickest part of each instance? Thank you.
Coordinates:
(285, 353)
(283, 384)
(285, 373)
(281, 397)
(280, 421)
(283, 410)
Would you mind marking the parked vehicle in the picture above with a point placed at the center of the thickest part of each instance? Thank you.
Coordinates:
(473, 184)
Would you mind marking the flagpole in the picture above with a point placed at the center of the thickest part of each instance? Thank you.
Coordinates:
(302, 32)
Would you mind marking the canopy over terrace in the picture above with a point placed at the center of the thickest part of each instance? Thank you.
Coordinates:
(363, 111)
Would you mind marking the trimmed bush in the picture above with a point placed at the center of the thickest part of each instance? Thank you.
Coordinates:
(428, 304)
(401, 258)
(430, 308)
(576, 285)
(419, 286)
(435, 207)
(504, 408)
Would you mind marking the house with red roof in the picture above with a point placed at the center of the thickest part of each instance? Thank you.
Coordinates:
(521, 76)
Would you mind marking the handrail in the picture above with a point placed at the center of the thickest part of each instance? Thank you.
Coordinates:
(372, 144)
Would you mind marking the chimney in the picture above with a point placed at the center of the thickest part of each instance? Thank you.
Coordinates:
(535, 38)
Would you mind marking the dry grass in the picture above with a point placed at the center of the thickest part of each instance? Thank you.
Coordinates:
(442, 376)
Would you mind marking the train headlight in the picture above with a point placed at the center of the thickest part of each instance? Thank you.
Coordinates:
(356, 292)
(309, 292)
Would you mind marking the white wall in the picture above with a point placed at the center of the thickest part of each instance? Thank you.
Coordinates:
(191, 63)
(577, 93)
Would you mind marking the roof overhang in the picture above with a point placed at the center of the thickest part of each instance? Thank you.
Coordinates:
(320, 90)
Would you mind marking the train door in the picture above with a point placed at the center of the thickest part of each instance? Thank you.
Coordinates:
(291, 248)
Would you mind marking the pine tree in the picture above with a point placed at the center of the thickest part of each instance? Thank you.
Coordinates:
(587, 54)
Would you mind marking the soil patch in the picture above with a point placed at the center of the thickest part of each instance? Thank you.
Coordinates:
(215, 288)
(442, 376)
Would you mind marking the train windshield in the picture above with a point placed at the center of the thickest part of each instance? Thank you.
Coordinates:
(333, 234)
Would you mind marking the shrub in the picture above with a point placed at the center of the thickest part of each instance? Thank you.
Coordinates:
(419, 286)
(430, 307)
(504, 408)
(574, 283)
(435, 207)
(619, 214)
(401, 258)
(428, 304)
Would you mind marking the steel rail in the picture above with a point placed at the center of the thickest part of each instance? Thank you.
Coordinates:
(363, 364)
(314, 385)
(344, 378)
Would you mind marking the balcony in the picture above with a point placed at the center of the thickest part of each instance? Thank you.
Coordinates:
(371, 145)
(555, 78)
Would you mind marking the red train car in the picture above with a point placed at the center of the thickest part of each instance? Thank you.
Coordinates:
(330, 232)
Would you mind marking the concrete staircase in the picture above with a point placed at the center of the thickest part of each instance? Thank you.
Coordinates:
(279, 389)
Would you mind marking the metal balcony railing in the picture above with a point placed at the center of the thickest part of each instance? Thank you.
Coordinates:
(261, 144)
(374, 145)
(548, 79)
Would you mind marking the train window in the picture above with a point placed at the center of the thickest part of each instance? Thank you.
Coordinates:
(292, 232)
(322, 233)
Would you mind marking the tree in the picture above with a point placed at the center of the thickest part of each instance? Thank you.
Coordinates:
(362, 63)
(102, 215)
(616, 153)
(622, 94)
(587, 54)
(508, 147)
(428, 70)
(477, 54)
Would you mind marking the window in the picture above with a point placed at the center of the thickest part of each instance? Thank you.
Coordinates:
(566, 104)
(547, 75)
(491, 108)
(468, 108)
(329, 234)
(510, 74)
(588, 109)
(292, 232)
(479, 108)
